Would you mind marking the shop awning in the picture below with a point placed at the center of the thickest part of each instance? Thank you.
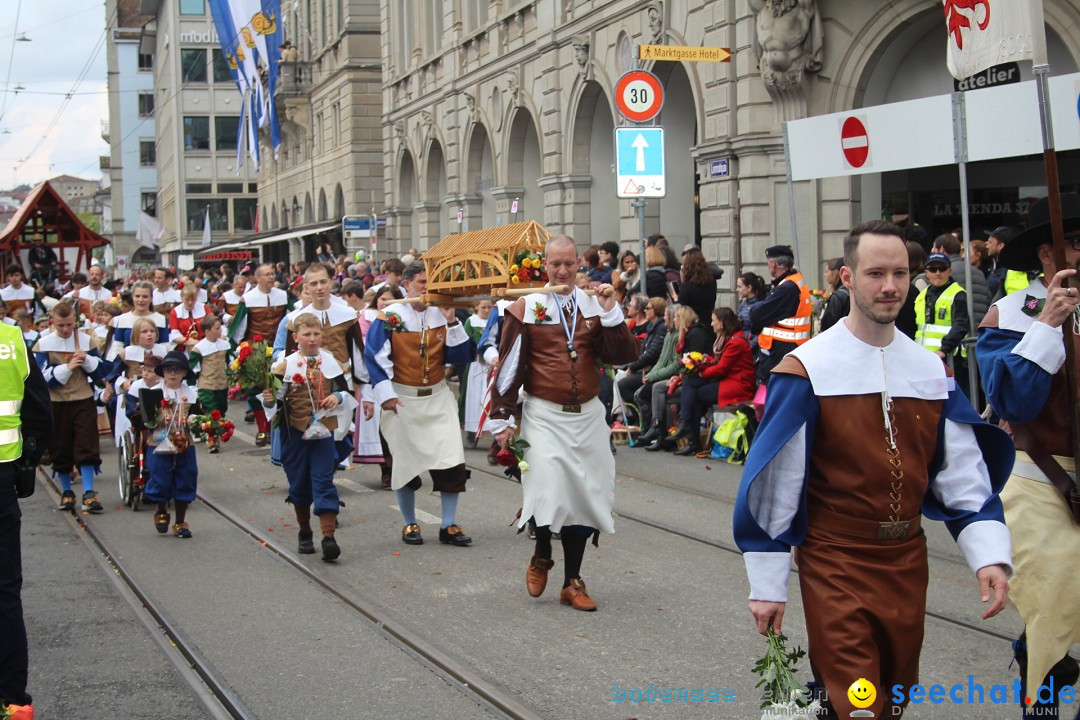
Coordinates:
(256, 242)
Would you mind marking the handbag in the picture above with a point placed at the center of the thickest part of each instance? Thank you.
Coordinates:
(1045, 462)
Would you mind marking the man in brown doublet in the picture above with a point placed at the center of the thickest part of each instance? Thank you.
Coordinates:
(863, 435)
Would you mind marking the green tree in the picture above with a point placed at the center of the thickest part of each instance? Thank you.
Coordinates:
(91, 221)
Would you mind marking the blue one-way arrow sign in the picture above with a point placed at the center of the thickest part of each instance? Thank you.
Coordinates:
(639, 162)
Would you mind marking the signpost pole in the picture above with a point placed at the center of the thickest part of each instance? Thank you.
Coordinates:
(639, 204)
(791, 201)
(959, 126)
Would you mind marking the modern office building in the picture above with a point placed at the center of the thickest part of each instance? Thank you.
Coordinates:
(196, 109)
(488, 102)
(130, 171)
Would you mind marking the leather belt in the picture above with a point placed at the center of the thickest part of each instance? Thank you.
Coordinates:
(571, 409)
(829, 523)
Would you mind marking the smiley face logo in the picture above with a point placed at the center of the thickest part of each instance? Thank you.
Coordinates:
(862, 693)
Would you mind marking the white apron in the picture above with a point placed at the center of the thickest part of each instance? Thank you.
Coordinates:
(423, 434)
(571, 475)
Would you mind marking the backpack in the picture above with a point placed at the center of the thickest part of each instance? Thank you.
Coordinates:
(735, 435)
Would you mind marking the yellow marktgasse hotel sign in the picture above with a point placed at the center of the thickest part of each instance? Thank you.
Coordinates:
(690, 54)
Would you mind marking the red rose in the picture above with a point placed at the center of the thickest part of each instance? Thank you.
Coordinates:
(215, 414)
(257, 338)
(244, 353)
(506, 458)
(165, 403)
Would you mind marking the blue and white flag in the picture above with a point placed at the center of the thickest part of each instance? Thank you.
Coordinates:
(250, 35)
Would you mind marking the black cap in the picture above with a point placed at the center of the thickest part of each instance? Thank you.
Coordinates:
(1004, 234)
(778, 251)
(173, 358)
(938, 259)
(1022, 253)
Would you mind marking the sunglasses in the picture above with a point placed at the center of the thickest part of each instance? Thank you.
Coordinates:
(937, 269)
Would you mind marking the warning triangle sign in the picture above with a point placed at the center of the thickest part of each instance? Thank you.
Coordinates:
(632, 188)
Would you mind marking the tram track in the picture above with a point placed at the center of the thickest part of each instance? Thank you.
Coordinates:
(213, 692)
(729, 548)
(209, 683)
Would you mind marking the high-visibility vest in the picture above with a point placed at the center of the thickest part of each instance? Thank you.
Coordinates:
(1016, 280)
(795, 329)
(14, 369)
(930, 335)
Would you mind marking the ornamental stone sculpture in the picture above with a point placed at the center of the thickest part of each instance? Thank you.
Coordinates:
(788, 41)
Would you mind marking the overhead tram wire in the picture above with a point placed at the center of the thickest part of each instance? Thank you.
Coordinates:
(183, 84)
(67, 98)
(11, 59)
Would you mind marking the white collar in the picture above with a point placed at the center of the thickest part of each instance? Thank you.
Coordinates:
(838, 363)
(1011, 315)
(297, 363)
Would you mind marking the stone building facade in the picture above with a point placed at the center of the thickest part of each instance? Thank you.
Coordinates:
(329, 104)
(488, 102)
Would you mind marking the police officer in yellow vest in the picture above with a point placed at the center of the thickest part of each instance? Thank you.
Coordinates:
(782, 320)
(941, 315)
(25, 427)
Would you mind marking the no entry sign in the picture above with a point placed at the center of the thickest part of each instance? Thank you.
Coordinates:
(855, 142)
(639, 96)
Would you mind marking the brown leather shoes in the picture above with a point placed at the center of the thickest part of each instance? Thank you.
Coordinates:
(536, 575)
(576, 596)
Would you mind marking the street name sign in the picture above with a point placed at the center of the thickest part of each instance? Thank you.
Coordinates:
(639, 162)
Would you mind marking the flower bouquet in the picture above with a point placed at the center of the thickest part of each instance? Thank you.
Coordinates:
(690, 364)
(16, 712)
(512, 457)
(169, 430)
(783, 697)
(212, 426)
(528, 267)
(250, 369)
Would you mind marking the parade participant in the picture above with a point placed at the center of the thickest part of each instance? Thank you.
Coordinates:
(185, 320)
(312, 382)
(165, 297)
(369, 446)
(207, 358)
(859, 538)
(488, 349)
(476, 377)
(69, 360)
(341, 337)
(26, 423)
(17, 295)
(25, 323)
(258, 314)
(232, 297)
(141, 295)
(95, 291)
(128, 367)
(782, 320)
(170, 452)
(1021, 354)
(552, 345)
(941, 315)
(408, 348)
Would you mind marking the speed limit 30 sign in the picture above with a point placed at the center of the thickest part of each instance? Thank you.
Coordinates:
(639, 96)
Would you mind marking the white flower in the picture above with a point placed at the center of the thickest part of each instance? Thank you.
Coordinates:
(523, 466)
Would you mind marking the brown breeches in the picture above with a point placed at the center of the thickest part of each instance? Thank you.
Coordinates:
(75, 439)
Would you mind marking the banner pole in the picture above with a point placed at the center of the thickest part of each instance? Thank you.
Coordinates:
(1057, 229)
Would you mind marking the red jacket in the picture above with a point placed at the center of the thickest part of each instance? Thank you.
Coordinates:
(735, 371)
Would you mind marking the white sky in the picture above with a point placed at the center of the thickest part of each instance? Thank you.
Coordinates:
(64, 35)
